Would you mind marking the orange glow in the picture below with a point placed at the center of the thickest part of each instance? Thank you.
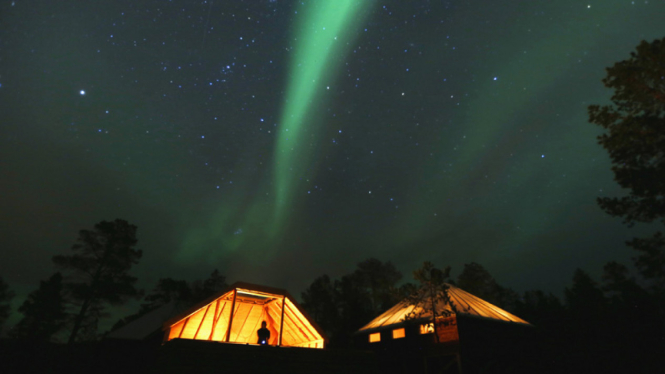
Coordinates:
(211, 322)
(399, 333)
(376, 337)
(463, 301)
(427, 328)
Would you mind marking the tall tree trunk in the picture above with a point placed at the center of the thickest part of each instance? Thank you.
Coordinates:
(86, 303)
(431, 294)
(78, 321)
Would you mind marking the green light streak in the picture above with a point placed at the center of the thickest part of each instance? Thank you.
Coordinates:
(253, 216)
(324, 33)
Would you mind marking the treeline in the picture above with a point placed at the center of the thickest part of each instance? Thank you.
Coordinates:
(69, 306)
(616, 322)
(606, 323)
(341, 306)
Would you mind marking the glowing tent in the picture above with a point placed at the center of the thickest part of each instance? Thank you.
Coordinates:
(465, 303)
(235, 315)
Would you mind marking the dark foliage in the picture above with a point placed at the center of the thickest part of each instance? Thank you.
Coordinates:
(651, 259)
(635, 142)
(636, 138)
(432, 290)
(622, 320)
(320, 302)
(584, 297)
(541, 309)
(478, 281)
(43, 312)
(168, 290)
(342, 306)
(209, 286)
(6, 296)
(98, 272)
(377, 280)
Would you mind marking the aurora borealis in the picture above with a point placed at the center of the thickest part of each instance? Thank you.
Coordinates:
(280, 140)
(322, 37)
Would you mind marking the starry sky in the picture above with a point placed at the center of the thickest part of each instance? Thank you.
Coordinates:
(279, 140)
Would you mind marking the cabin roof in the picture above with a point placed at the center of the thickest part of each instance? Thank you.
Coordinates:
(465, 303)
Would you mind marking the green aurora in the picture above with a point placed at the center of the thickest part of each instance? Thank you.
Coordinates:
(251, 136)
(323, 33)
(489, 154)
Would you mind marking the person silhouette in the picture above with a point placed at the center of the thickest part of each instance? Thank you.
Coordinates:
(263, 333)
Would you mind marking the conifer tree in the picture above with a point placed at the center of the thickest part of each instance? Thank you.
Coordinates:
(43, 312)
(98, 272)
(635, 141)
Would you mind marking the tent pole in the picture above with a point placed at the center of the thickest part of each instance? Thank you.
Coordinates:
(183, 327)
(214, 320)
(202, 320)
(281, 323)
(233, 304)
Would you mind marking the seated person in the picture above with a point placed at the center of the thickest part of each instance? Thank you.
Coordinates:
(263, 333)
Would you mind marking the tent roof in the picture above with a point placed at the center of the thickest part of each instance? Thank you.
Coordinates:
(464, 302)
(150, 322)
(241, 285)
(209, 319)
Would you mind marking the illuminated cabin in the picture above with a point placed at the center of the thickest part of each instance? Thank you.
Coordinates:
(235, 315)
(482, 331)
(466, 304)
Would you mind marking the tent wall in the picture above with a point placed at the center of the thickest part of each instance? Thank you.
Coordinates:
(211, 321)
(212, 327)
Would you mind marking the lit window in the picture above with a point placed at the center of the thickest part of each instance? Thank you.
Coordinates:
(426, 328)
(398, 333)
(376, 337)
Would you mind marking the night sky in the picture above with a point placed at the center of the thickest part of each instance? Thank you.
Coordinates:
(279, 140)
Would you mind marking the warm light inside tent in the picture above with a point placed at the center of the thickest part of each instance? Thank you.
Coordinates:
(399, 333)
(376, 337)
(427, 328)
(461, 301)
(236, 316)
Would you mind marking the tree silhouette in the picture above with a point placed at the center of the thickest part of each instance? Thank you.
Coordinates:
(342, 306)
(43, 312)
(584, 297)
(433, 291)
(168, 290)
(540, 309)
(651, 260)
(209, 286)
(320, 301)
(636, 144)
(98, 272)
(586, 310)
(476, 280)
(6, 296)
(377, 280)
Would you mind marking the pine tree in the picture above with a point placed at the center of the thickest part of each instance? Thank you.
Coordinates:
(99, 272)
(43, 312)
(433, 292)
(635, 142)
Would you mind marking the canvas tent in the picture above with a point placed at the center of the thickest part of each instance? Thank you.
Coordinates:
(466, 304)
(149, 325)
(234, 316)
